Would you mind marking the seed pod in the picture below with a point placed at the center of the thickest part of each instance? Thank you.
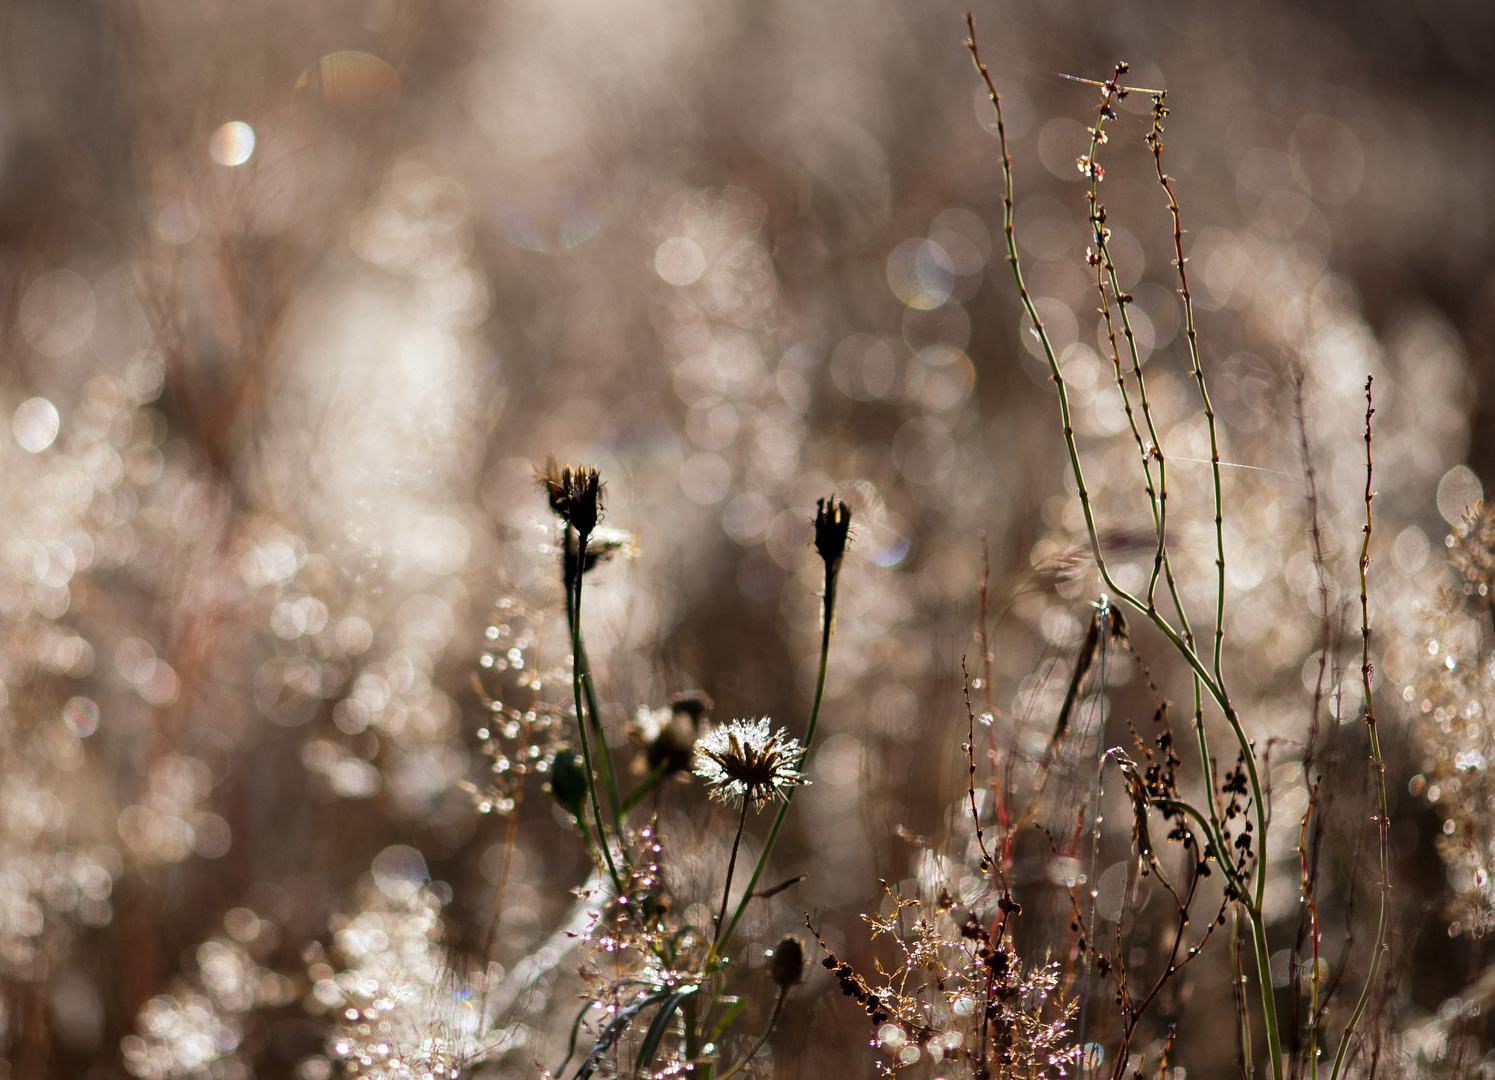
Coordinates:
(675, 743)
(788, 964)
(568, 782)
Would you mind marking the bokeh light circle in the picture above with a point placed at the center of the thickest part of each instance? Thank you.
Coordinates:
(680, 261)
(81, 716)
(36, 424)
(921, 274)
(1458, 489)
(399, 872)
(232, 144)
(58, 312)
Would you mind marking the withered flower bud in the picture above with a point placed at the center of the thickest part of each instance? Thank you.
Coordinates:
(575, 494)
(832, 531)
(788, 964)
(832, 528)
(672, 743)
(568, 782)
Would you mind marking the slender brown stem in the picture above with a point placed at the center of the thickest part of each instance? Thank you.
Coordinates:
(732, 866)
(1383, 822)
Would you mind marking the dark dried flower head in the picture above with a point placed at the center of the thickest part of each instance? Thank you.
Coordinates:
(747, 760)
(788, 964)
(568, 782)
(832, 528)
(669, 735)
(575, 494)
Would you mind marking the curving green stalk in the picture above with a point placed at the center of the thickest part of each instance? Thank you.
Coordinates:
(1191, 334)
(595, 715)
(577, 666)
(1105, 274)
(1152, 448)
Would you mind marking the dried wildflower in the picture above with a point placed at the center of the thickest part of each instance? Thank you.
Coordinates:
(984, 1007)
(1471, 548)
(832, 528)
(575, 494)
(669, 735)
(747, 760)
(787, 967)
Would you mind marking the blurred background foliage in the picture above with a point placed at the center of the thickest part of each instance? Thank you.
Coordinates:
(294, 296)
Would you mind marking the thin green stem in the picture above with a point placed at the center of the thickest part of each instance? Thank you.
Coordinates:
(1191, 334)
(1206, 769)
(732, 865)
(581, 727)
(603, 756)
(648, 784)
(1264, 985)
(724, 935)
(762, 1039)
(1105, 273)
(589, 690)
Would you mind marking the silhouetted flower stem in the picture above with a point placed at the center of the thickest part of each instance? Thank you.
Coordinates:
(575, 496)
(578, 664)
(832, 534)
(732, 862)
(594, 713)
(773, 1020)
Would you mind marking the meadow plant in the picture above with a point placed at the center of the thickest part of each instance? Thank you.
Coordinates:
(1132, 721)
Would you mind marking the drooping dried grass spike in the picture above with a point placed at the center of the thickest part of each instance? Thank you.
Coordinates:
(1083, 661)
(1136, 787)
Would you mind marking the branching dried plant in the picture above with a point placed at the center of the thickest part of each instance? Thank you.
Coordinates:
(1233, 847)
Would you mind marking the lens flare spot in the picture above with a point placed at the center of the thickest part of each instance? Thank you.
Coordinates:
(232, 144)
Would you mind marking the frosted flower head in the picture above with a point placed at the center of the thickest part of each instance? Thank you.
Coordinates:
(748, 760)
